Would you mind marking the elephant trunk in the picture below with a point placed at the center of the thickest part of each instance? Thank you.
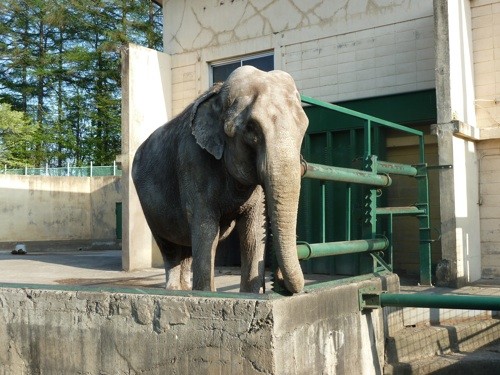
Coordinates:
(282, 187)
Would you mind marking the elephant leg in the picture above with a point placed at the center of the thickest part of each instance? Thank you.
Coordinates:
(204, 237)
(252, 231)
(176, 259)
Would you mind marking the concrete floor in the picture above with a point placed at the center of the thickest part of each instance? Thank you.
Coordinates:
(100, 268)
(104, 268)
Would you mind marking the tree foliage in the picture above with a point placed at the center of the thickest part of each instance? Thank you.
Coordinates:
(60, 66)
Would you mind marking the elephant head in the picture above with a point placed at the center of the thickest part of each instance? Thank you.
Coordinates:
(255, 123)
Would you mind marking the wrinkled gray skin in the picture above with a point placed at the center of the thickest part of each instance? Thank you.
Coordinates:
(232, 154)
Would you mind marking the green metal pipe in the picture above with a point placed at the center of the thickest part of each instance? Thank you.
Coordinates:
(396, 168)
(350, 112)
(441, 301)
(331, 173)
(316, 250)
(410, 210)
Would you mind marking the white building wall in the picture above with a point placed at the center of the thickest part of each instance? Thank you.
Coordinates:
(336, 49)
(461, 62)
(486, 39)
(382, 60)
(486, 46)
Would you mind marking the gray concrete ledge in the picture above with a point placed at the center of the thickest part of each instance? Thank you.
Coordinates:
(92, 330)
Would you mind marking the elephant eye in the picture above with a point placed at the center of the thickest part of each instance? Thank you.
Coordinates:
(251, 132)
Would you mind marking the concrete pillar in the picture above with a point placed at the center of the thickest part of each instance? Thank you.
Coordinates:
(146, 105)
(456, 133)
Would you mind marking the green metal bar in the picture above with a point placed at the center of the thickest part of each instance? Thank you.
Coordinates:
(390, 238)
(382, 262)
(410, 210)
(350, 112)
(425, 256)
(441, 301)
(396, 168)
(348, 213)
(368, 138)
(323, 211)
(316, 250)
(331, 173)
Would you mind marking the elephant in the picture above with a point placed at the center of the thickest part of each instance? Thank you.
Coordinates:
(229, 160)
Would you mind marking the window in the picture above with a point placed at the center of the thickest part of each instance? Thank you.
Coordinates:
(220, 71)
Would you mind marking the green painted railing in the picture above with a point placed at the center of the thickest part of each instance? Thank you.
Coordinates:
(375, 175)
(87, 171)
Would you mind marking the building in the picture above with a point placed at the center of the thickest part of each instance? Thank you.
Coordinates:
(432, 65)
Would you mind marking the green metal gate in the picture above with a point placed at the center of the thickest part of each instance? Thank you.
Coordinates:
(340, 215)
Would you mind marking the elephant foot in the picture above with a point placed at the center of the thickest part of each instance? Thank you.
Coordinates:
(279, 284)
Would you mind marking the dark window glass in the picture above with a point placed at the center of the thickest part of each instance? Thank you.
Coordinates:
(265, 63)
(222, 71)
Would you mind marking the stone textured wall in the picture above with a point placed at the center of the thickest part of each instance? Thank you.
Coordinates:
(336, 49)
(63, 332)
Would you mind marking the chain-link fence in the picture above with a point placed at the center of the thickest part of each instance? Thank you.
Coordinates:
(88, 171)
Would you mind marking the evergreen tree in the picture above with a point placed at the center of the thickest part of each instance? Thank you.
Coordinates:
(60, 65)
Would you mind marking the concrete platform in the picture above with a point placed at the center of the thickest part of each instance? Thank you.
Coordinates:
(90, 317)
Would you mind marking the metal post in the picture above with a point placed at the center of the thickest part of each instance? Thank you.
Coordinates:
(91, 169)
(424, 226)
(323, 212)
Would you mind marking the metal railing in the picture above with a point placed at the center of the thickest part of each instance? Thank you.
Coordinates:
(87, 171)
(375, 175)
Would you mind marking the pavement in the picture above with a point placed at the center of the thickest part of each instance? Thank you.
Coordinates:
(104, 268)
(101, 268)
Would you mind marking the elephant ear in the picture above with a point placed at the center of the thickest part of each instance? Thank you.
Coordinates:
(207, 123)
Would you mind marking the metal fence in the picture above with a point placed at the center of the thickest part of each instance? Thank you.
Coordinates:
(88, 171)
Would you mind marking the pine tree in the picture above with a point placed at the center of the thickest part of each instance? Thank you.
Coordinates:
(60, 65)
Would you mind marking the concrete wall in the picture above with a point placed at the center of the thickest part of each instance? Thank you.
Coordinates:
(58, 210)
(146, 105)
(335, 50)
(319, 332)
(486, 42)
(489, 203)
(457, 136)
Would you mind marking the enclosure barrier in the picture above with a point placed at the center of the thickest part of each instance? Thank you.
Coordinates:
(370, 299)
(87, 171)
(374, 175)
